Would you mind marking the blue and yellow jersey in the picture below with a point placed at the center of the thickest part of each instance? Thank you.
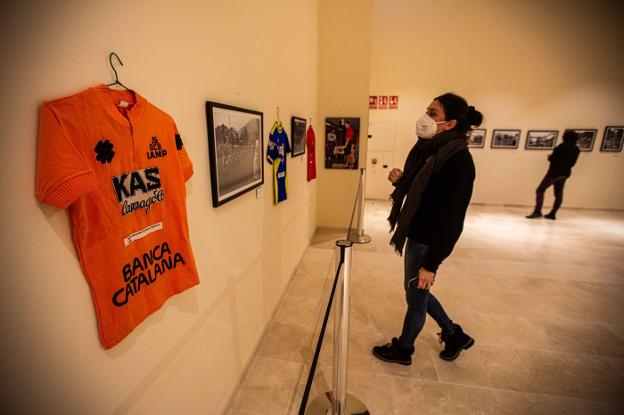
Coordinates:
(276, 155)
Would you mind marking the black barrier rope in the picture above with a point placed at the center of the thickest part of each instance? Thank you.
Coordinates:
(319, 343)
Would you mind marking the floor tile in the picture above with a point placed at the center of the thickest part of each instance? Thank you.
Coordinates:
(559, 374)
(544, 301)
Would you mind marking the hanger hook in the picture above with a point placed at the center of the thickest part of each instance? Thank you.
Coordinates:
(110, 60)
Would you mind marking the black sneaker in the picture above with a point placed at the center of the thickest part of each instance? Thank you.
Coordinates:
(550, 216)
(394, 353)
(534, 215)
(454, 343)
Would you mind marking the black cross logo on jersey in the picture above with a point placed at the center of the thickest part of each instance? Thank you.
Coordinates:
(104, 151)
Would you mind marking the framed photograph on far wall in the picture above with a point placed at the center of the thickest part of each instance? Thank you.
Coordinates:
(586, 138)
(612, 139)
(298, 131)
(342, 143)
(235, 146)
(541, 139)
(505, 139)
(476, 138)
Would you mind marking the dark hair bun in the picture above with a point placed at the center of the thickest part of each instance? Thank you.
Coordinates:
(475, 118)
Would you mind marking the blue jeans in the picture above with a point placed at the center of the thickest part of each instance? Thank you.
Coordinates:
(419, 301)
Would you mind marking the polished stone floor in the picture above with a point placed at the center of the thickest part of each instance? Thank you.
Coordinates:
(544, 301)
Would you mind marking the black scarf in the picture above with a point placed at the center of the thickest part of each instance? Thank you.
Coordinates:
(426, 157)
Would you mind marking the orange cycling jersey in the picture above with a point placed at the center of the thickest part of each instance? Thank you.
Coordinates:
(120, 166)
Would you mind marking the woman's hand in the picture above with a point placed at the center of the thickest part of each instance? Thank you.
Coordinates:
(394, 175)
(426, 279)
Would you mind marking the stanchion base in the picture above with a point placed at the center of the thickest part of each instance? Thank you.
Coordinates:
(359, 239)
(344, 243)
(322, 405)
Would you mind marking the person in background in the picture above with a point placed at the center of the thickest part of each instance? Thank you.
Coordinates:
(329, 150)
(351, 158)
(436, 185)
(562, 160)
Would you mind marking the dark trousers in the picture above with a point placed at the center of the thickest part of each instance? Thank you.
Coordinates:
(419, 302)
(558, 182)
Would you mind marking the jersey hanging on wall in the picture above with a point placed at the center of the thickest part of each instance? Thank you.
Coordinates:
(276, 155)
(311, 142)
(120, 166)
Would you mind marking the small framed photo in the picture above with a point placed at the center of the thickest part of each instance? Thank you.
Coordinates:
(342, 142)
(476, 138)
(541, 139)
(612, 140)
(586, 138)
(505, 138)
(298, 131)
(235, 146)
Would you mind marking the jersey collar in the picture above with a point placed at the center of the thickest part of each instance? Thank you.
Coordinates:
(109, 98)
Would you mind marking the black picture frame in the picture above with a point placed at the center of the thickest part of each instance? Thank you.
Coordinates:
(298, 127)
(541, 139)
(476, 137)
(586, 138)
(505, 138)
(235, 146)
(612, 139)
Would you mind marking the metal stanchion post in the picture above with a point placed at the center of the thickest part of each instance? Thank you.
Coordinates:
(341, 331)
(357, 235)
(342, 403)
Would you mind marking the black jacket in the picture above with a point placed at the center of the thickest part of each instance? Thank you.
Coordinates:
(440, 218)
(562, 159)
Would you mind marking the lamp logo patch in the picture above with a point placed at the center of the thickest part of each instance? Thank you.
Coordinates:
(138, 190)
(155, 149)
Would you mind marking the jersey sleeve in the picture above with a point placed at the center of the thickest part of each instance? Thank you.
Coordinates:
(63, 175)
(287, 148)
(185, 161)
(272, 150)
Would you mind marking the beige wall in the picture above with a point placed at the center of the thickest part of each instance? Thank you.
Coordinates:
(186, 357)
(525, 65)
(344, 65)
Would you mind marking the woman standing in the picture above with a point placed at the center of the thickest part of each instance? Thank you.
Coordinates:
(436, 185)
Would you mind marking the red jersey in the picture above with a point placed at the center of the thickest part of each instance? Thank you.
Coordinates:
(311, 143)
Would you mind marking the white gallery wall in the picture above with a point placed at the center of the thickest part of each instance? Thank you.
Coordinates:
(187, 357)
(548, 65)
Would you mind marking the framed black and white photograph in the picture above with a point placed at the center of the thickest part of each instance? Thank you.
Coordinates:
(612, 140)
(235, 146)
(476, 138)
(298, 131)
(505, 139)
(541, 139)
(342, 143)
(586, 138)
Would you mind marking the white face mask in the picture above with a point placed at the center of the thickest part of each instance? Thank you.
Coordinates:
(426, 127)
